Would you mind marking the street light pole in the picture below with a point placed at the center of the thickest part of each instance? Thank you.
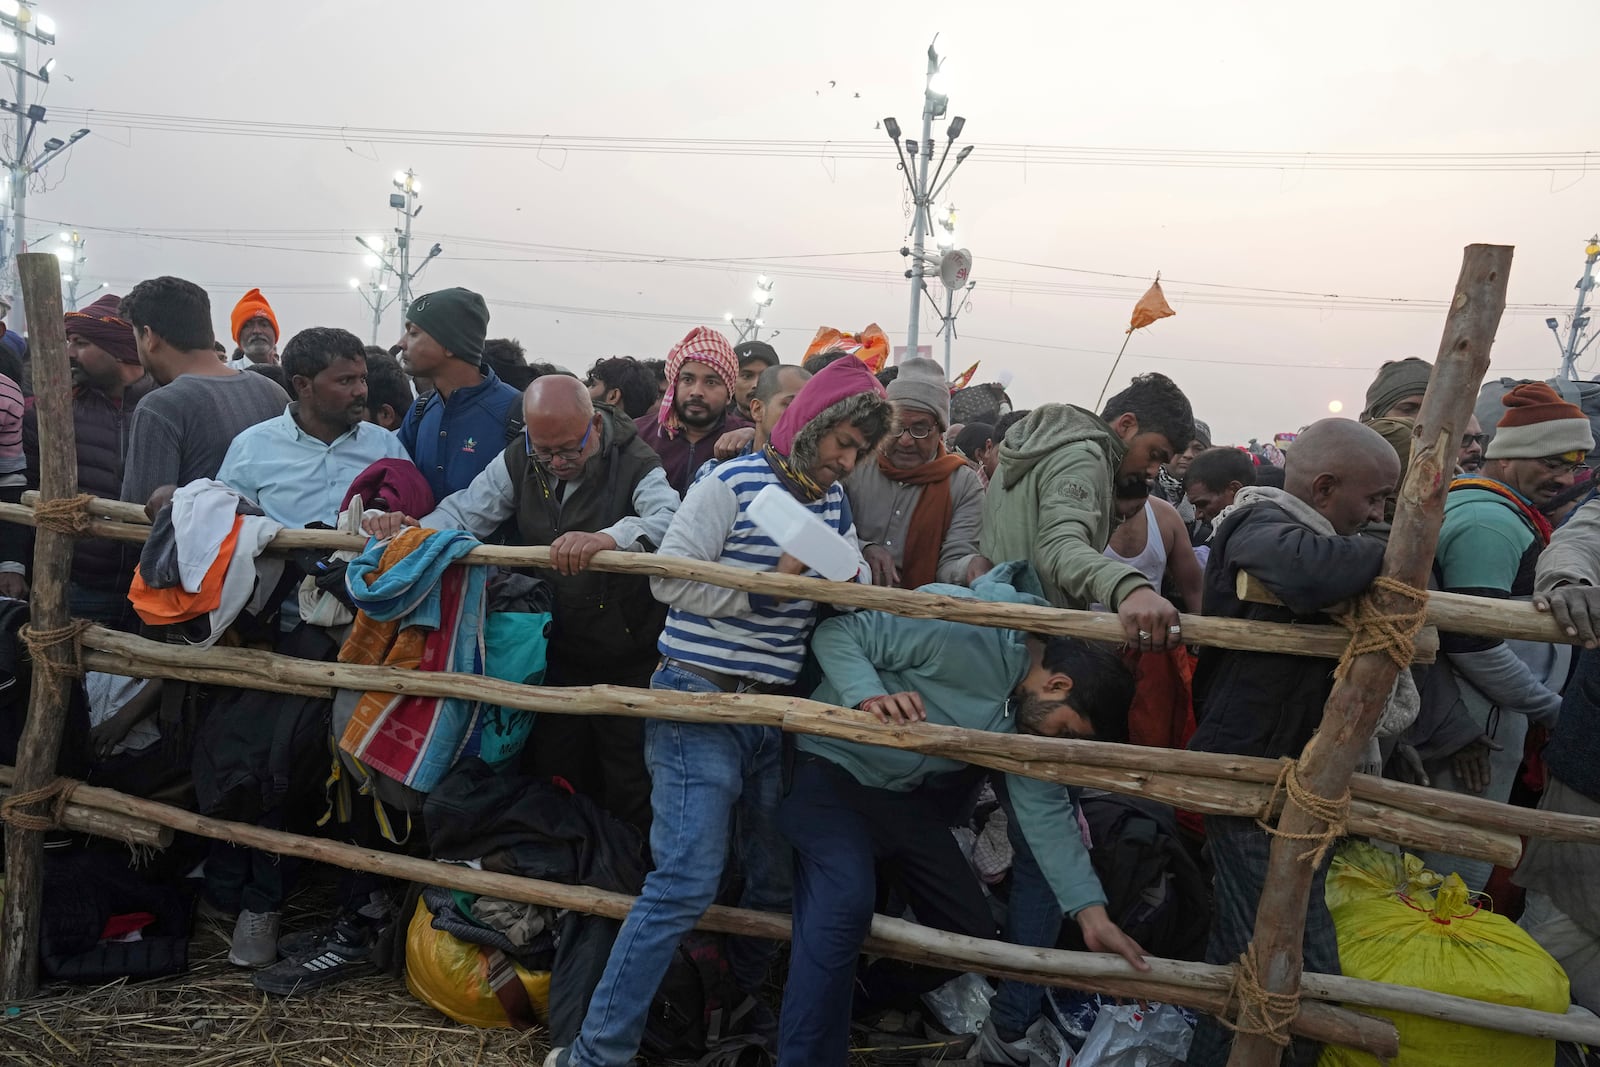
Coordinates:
(925, 188)
(1571, 350)
(752, 326)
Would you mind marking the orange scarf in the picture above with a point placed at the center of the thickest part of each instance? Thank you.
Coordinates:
(930, 519)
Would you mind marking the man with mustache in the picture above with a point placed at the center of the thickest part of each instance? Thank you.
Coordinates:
(697, 407)
(919, 508)
(255, 331)
(297, 466)
(1483, 693)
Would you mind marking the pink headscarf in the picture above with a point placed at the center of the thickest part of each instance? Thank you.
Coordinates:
(702, 345)
(840, 379)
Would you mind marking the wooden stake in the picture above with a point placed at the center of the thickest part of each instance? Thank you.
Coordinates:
(1176, 778)
(40, 743)
(1359, 695)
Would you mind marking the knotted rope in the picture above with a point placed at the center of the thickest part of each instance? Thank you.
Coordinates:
(70, 515)
(1255, 1009)
(1333, 813)
(1392, 633)
(56, 793)
(39, 643)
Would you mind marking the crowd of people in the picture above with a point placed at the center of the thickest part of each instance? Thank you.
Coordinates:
(452, 439)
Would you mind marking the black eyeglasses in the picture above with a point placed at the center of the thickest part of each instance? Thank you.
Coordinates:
(565, 455)
(918, 433)
(1470, 439)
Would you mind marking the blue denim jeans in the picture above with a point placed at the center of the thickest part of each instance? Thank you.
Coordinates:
(705, 780)
(1033, 918)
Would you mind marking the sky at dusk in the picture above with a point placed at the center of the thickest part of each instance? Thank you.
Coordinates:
(608, 175)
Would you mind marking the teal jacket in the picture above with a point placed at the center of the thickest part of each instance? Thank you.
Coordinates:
(965, 675)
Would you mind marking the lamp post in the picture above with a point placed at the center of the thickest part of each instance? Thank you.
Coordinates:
(925, 190)
(1571, 349)
(375, 290)
(70, 252)
(19, 24)
(752, 326)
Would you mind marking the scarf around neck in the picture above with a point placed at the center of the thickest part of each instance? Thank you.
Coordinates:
(1255, 495)
(1541, 525)
(930, 518)
(801, 485)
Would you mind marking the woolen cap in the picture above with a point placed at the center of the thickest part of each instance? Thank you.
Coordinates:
(921, 384)
(1538, 423)
(251, 305)
(457, 318)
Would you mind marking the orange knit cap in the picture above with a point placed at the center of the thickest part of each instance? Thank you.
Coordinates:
(251, 305)
(1538, 424)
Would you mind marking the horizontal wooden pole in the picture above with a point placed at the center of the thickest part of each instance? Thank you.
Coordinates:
(1196, 985)
(116, 825)
(1451, 612)
(1172, 777)
(1325, 642)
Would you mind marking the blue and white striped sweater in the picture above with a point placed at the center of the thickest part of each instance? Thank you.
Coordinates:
(760, 638)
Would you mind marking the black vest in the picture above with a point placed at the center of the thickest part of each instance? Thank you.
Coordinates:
(602, 621)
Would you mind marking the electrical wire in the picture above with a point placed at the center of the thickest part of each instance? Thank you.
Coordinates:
(1566, 161)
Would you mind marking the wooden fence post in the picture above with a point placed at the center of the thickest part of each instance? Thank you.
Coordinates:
(50, 624)
(1363, 687)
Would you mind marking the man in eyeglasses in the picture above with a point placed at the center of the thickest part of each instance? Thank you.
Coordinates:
(1483, 693)
(919, 507)
(580, 480)
(1473, 441)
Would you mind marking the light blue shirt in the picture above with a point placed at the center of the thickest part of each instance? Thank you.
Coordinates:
(295, 477)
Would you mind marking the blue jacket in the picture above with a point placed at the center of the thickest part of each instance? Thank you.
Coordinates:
(451, 443)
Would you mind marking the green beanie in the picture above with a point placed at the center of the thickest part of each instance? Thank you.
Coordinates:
(457, 318)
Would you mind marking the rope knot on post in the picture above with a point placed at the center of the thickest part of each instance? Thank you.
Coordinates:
(70, 515)
(40, 642)
(55, 793)
(1373, 630)
(1332, 812)
(1254, 1009)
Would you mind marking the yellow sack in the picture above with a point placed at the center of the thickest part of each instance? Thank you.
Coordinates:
(1438, 940)
(452, 976)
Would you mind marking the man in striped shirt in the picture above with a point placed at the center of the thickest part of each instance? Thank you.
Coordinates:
(722, 640)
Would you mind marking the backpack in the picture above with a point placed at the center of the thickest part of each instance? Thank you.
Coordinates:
(698, 1010)
(1155, 889)
(1584, 394)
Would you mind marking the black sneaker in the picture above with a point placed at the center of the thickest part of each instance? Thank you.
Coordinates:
(338, 959)
(303, 943)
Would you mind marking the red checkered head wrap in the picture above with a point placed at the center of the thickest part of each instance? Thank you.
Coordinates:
(702, 345)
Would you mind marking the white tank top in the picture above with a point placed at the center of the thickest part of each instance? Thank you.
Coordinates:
(1152, 559)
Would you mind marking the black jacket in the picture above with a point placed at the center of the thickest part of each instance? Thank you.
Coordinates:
(101, 429)
(1269, 704)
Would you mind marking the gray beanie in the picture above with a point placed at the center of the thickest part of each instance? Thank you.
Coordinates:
(922, 385)
(457, 318)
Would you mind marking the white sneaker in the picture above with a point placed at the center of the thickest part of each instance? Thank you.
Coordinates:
(554, 1059)
(255, 939)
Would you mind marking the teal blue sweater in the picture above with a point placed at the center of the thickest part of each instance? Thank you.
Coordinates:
(965, 675)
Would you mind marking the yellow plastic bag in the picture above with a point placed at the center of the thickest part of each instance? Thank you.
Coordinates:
(452, 976)
(1438, 940)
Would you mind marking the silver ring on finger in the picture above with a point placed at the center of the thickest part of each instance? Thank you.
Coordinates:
(1144, 635)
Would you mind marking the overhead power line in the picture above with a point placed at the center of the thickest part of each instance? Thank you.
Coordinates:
(1566, 161)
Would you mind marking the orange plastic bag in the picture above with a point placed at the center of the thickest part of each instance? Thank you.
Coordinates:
(870, 346)
(452, 976)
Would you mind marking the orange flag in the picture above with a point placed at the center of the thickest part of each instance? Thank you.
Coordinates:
(966, 378)
(1151, 306)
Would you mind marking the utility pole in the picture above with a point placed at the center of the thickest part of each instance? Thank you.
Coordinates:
(19, 24)
(72, 257)
(924, 190)
(375, 290)
(1575, 345)
(752, 326)
(395, 258)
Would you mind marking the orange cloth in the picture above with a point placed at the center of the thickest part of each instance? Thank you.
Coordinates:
(1162, 714)
(164, 607)
(870, 346)
(930, 519)
(248, 307)
(373, 643)
(1151, 306)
